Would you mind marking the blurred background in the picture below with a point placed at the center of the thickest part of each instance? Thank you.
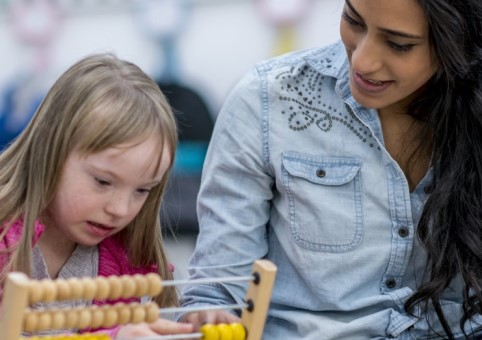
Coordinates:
(196, 50)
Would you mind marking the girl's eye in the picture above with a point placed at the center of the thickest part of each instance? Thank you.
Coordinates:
(143, 191)
(350, 20)
(102, 182)
(400, 48)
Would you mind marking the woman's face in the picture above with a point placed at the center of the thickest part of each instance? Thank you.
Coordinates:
(388, 48)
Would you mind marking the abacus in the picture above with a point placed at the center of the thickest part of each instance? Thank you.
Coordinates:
(21, 293)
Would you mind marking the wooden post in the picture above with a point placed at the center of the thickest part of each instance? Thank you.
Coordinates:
(15, 300)
(258, 298)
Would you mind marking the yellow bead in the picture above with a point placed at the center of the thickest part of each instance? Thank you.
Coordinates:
(49, 290)
(210, 332)
(155, 284)
(225, 332)
(103, 288)
(239, 332)
(30, 322)
(128, 286)
(115, 287)
(63, 290)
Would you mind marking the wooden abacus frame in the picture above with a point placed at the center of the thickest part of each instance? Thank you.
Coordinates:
(21, 292)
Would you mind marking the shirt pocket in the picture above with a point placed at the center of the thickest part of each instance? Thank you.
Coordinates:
(324, 201)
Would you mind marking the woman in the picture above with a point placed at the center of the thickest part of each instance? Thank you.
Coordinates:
(357, 169)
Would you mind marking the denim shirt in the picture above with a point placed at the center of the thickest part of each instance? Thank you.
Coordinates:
(297, 173)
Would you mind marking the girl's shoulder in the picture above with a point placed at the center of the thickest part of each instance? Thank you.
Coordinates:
(13, 236)
(114, 260)
(14, 233)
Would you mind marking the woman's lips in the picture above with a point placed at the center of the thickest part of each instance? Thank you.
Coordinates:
(369, 85)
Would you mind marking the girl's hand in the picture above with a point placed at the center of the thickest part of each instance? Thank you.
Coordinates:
(197, 319)
(159, 327)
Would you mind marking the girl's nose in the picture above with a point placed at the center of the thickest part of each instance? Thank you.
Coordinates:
(118, 205)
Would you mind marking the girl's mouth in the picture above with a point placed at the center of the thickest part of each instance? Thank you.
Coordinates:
(99, 230)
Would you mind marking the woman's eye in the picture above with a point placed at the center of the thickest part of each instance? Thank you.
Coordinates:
(102, 182)
(400, 48)
(350, 20)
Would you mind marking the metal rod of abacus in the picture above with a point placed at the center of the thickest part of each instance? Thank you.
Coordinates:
(208, 280)
(173, 310)
(172, 337)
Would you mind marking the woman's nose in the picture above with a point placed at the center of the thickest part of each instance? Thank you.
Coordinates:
(366, 57)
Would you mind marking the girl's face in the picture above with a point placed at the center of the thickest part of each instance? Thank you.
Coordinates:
(388, 49)
(100, 194)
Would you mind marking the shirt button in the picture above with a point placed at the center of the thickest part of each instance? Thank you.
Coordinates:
(391, 283)
(428, 189)
(320, 173)
(403, 232)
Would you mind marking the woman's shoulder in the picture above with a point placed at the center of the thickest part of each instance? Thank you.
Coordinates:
(328, 59)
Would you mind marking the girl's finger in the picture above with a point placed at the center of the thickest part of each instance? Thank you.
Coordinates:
(163, 326)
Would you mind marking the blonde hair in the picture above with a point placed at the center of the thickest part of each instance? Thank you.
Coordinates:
(99, 102)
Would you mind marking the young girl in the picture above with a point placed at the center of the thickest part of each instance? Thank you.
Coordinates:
(81, 187)
(357, 169)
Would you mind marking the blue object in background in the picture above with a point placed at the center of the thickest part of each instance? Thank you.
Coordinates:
(190, 157)
(195, 125)
(12, 120)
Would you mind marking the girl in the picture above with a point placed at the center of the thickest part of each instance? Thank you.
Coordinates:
(357, 169)
(81, 187)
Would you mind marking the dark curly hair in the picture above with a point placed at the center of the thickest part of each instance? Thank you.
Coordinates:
(450, 227)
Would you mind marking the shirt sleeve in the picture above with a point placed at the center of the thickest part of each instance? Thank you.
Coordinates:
(111, 332)
(234, 199)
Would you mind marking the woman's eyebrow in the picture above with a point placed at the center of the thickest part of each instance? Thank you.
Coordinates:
(400, 34)
(348, 3)
(385, 30)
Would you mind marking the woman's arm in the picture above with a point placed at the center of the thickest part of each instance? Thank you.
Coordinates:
(233, 203)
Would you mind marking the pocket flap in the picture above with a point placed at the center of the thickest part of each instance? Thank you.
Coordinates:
(321, 170)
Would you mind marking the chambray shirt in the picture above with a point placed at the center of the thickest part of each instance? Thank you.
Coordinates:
(297, 173)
